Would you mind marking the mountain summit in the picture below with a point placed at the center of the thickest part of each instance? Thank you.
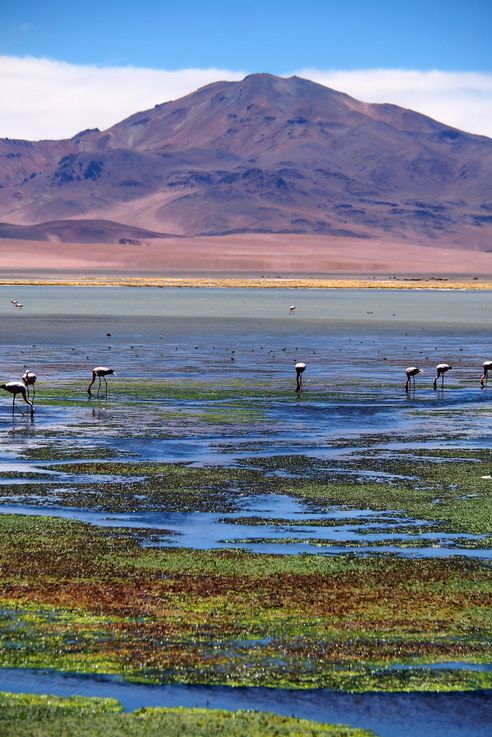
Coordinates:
(264, 155)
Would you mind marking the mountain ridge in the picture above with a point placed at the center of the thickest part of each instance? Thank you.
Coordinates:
(264, 155)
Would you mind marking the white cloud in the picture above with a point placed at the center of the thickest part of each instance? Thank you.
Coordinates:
(459, 99)
(42, 98)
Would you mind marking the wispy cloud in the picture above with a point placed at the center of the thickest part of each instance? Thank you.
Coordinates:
(42, 98)
(460, 99)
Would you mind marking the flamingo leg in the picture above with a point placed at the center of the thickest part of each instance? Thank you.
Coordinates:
(106, 384)
(29, 404)
(16, 405)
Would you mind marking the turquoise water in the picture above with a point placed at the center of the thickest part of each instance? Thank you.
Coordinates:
(439, 308)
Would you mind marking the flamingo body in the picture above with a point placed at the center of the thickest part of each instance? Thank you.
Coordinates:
(411, 373)
(487, 366)
(441, 369)
(99, 372)
(15, 388)
(29, 379)
(300, 368)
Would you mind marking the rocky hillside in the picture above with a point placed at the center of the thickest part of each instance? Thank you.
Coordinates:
(264, 155)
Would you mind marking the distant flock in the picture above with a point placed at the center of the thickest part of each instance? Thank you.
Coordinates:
(25, 387)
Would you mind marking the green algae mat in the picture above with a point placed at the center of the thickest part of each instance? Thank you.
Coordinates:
(76, 597)
(50, 716)
(80, 598)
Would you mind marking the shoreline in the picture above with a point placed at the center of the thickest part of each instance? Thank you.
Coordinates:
(225, 282)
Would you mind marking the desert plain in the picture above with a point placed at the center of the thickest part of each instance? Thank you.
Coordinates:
(247, 261)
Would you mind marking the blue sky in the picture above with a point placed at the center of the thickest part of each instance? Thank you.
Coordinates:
(66, 66)
(269, 36)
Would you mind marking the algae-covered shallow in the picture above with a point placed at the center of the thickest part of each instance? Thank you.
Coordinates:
(202, 446)
(52, 716)
(387, 715)
(430, 502)
(83, 598)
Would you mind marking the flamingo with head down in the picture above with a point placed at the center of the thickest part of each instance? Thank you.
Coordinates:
(487, 366)
(441, 369)
(411, 373)
(100, 372)
(300, 368)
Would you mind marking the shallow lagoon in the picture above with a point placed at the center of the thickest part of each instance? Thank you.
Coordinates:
(205, 378)
(388, 715)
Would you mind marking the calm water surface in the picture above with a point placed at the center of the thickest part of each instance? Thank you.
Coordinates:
(388, 715)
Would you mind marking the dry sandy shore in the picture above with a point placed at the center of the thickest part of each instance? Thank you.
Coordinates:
(257, 260)
(224, 282)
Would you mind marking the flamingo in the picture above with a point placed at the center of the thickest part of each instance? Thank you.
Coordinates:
(411, 373)
(300, 368)
(441, 369)
(15, 388)
(98, 373)
(29, 379)
(487, 366)
(291, 309)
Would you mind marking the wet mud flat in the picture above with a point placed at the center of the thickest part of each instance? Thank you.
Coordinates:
(203, 524)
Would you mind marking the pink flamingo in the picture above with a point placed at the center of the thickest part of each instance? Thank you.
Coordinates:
(29, 379)
(15, 388)
(300, 368)
(487, 366)
(441, 369)
(100, 372)
(411, 373)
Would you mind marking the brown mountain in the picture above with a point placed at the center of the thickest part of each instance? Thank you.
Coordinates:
(264, 155)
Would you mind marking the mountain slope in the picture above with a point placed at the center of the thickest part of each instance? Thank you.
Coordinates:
(264, 155)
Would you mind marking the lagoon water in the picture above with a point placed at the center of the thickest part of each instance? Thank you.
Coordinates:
(356, 344)
(388, 715)
(364, 335)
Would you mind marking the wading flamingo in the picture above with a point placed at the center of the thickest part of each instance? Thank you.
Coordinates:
(100, 372)
(15, 388)
(487, 366)
(441, 369)
(29, 379)
(411, 373)
(300, 368)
